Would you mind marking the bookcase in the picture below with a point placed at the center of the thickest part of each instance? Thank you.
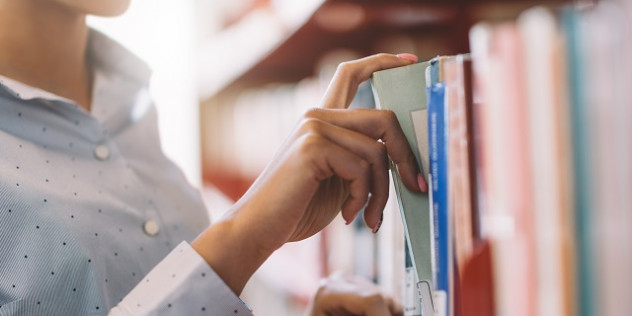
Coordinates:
(306, 57)
(246, 117)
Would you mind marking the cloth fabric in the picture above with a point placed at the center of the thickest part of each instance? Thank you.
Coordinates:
(89, 204)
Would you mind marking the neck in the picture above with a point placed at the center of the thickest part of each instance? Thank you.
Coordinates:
(44, 45)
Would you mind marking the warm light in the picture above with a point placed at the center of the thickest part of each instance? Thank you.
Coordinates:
(162, 33)
(341, 17)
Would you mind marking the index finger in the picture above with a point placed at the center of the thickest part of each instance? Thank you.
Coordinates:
(379, 125)
(349, 75)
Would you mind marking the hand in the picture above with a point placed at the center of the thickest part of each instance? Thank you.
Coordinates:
(351, 295)
(336, 159)
(362, 163)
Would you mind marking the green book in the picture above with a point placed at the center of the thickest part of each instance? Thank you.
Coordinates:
(403, 91)
(571, 21)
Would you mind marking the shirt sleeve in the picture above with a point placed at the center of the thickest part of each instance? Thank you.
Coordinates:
(181, 284)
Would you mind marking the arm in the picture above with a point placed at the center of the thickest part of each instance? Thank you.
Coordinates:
(331, 163)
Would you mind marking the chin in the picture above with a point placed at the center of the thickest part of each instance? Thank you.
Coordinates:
(98, 7)
(112, 9)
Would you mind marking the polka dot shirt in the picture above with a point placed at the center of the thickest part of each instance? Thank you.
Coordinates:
(91, 209)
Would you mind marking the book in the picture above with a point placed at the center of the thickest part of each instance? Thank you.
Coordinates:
(605, 33)
(549, 139)
(402, 90)
(507, 218)
(536, 156)
(476, 289)
(438, 184)
(461, 165)
(572, 25)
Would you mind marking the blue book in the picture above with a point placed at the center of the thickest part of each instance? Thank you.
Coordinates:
(437, 147)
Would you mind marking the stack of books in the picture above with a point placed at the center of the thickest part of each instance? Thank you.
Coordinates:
(526, 144)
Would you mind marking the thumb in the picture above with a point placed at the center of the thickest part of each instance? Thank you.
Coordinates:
(349, 75)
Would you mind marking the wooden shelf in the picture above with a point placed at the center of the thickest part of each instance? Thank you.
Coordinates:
(294, 57)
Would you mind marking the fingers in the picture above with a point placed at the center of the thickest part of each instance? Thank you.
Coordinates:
(353, 295)
(328, 158)
(376, 306)
(377, 124)
(370, 150)
(356, 303)
(370, 300)
(350, 74)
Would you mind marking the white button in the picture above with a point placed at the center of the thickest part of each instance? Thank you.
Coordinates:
(151, 228)
(102, 152)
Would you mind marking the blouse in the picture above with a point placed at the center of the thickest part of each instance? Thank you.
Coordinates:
(93, 217)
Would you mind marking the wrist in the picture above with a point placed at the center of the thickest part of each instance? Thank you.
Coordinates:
(232, 251)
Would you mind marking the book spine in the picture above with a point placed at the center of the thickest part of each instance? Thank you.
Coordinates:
(582, 165)
(438, 171)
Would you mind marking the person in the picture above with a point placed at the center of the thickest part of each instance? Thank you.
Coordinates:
(94, 219)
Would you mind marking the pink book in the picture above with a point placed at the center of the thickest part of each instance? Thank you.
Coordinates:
(507, 219)
(460, 176)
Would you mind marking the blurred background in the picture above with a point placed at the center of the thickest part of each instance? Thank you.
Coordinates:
(231, 78)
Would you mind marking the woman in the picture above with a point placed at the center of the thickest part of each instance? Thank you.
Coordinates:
(90, 209)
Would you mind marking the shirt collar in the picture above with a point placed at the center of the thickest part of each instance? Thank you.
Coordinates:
(111, 58)
(108, 58)
(26, 92)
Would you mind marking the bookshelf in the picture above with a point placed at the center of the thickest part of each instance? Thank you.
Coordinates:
(426, 28)
(282, 82)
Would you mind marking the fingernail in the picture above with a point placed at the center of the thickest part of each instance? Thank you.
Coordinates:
(379, 224)
(408, 56)
(349, 221)
(423, 186)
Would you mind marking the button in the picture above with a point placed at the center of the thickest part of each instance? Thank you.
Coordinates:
(151, 228)
(102, 152)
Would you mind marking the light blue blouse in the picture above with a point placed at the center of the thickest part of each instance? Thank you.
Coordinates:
(89, 205)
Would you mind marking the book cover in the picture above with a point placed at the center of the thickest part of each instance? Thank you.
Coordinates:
(402, 90)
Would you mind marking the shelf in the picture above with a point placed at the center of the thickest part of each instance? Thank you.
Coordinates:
(336, 24)
(291, 54)
(282, 54)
